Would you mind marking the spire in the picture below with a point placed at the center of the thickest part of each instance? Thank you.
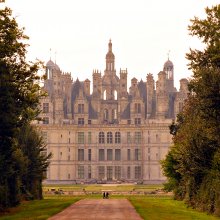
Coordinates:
(110, 58)
(50, 53)
(110, 46)
(168, 55)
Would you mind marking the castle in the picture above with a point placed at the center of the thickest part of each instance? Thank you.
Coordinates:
(109, 134)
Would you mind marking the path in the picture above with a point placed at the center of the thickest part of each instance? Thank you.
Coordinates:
(98, 209)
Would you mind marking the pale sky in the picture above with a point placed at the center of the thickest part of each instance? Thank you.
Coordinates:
(142, 33)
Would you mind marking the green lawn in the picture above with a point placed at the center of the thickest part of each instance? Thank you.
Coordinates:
(152, 207)
(41, 209)
(165, 208)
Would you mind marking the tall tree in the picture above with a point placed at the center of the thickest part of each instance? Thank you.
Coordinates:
(192, 166)
(19, 99)
(34, 149)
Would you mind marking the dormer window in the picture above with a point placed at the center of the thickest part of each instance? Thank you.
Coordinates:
(81, 108)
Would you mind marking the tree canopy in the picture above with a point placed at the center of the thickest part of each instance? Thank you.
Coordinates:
(192, 165)
(19, 105)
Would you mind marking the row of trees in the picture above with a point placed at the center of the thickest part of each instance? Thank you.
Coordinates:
(192, 165)
(22, 158)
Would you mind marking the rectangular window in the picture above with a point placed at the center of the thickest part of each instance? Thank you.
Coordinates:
(137, 121)
(129, 172)
(137, 107)
(89, 154)
(129, 137)
(80, 137)
(137, 172)
(81, 108)
(45, 120)
(128, 154)
(137, 154)
(101, 155)
(89, 122)
(89, 137)
(117, 154)
(109, 154)
(80, 154)
(101, 170)
(117, 172)
(137, 137)
(45, 107)
(80, 121)
(117, 137)
(109, 172)
(81, 172)
(89, 172)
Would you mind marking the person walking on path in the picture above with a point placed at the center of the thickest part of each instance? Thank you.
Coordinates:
(107, 194)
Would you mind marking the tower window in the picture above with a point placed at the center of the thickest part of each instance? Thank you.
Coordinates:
(109, 138)
(81, 108)
(101, 138)
(137, 107)
(114, 114)
(106, 114)
(137, 121)
(45, 120)
(117, 137)
(45, 107)
(80, 121)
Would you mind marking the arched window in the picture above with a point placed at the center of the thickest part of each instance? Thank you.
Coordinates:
(117, 137)
(104, 95)
(101, 137)
(109, 138)
(115, 95)
(105, 114)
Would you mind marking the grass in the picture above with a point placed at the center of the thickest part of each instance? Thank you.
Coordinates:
(39, 209)
(150, 207)
(164, 207)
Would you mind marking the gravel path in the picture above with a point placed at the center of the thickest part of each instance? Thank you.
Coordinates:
(87, 209)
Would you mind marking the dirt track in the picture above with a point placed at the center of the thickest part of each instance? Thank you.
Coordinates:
(86, 209)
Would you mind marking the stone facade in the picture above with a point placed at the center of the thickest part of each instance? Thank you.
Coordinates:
(109, 134)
